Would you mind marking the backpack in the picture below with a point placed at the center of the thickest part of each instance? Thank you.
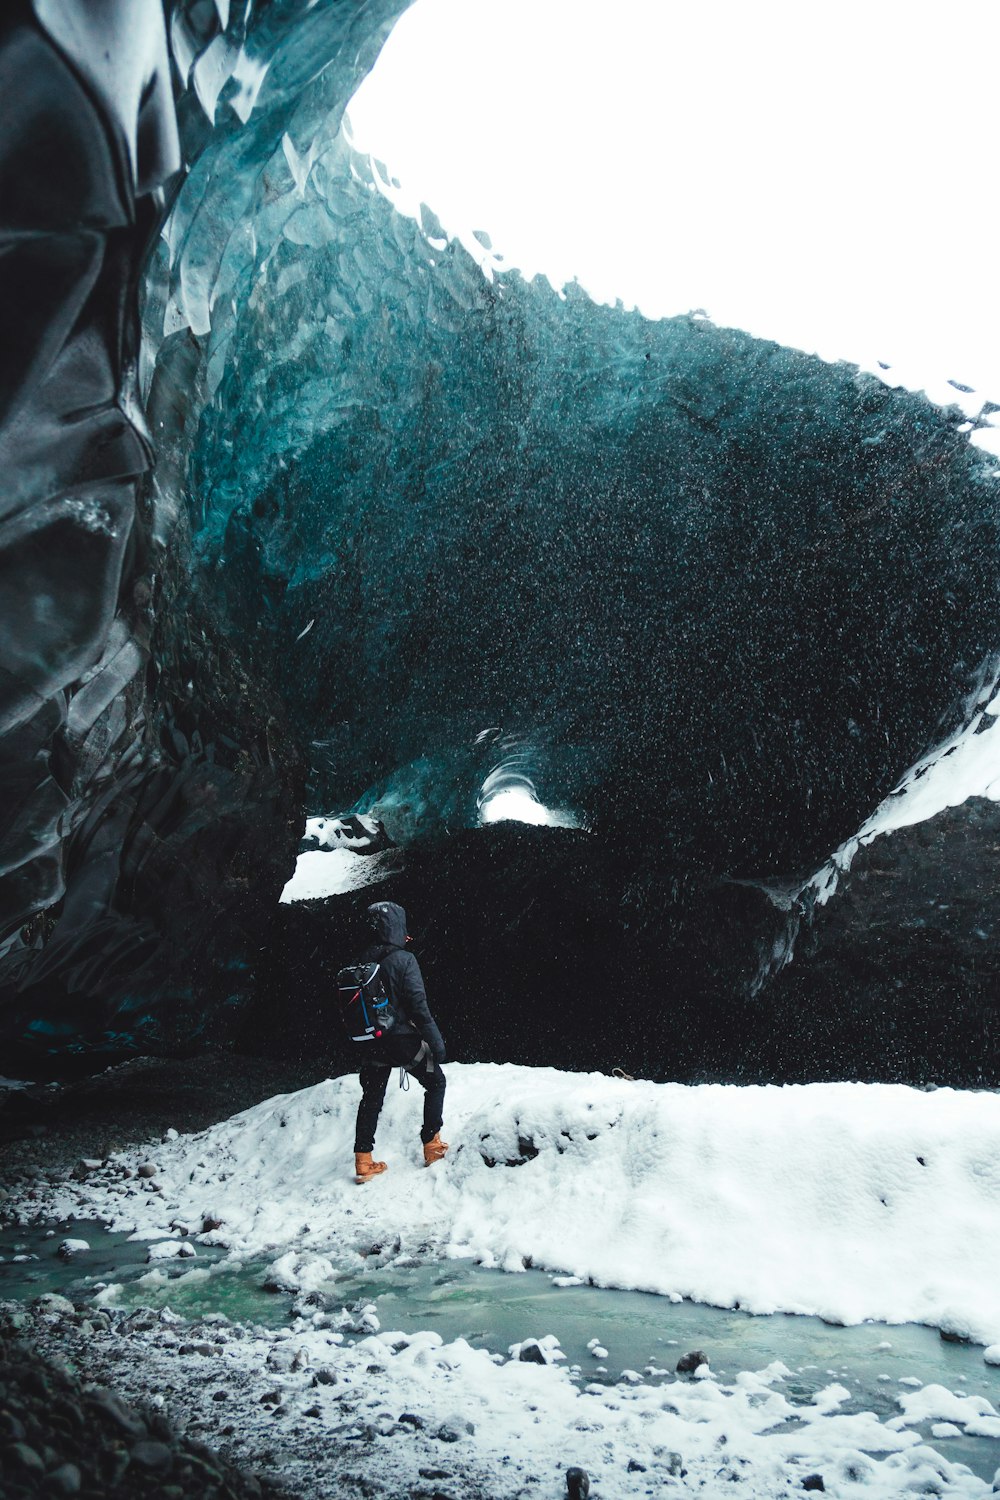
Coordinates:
(365, 1008)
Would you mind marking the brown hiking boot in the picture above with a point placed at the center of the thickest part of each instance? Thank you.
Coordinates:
(364, 1167)
(434, 1150)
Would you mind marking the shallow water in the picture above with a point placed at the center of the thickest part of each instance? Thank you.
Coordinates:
(494, 1309)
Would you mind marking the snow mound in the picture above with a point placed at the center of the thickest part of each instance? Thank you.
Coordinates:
(850, 1201)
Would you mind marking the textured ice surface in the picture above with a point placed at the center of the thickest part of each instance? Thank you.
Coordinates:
(683, 569)
(857, 263)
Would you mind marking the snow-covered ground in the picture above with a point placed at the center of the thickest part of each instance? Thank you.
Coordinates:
(851, 1201)
(400, 1413)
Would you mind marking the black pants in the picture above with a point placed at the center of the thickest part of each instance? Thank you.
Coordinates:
(397, 1052)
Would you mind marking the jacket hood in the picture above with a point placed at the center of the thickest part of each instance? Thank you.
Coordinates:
(389, 923)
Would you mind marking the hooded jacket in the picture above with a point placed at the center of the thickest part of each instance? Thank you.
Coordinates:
(403, 977)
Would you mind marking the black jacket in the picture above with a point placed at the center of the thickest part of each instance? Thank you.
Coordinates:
(403, 977)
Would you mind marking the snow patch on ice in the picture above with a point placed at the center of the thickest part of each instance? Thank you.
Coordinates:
(331, 872)
(966, 764)
(171, 1250)
(299, 1273)
(937, 1403)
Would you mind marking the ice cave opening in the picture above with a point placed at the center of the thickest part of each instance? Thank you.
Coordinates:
(719, 584)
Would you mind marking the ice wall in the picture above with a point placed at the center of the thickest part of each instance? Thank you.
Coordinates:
(130, 750)
(701, 582)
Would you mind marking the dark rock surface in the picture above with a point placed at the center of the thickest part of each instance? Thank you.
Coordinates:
(202, 1389)
(541, 946)
(61, 1436)
(899, 975)
(577, 1483)
(46, 1130)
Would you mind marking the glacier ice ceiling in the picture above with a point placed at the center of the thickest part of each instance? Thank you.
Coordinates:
(412, 531)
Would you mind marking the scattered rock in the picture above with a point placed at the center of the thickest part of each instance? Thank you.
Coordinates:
(85, 1166)
(24, 1457)
(66, 1480)
(410, 1419)
(577, 1484)
(813, 1482)
(171, 1250)
(59, 1437)
(361, 1318)
(530, 1353)
(635, 1467)
(149, 1454)
(11, 1428)
(69, 1248)
(50, 1304)
(453, 1430)
(146, 1170)
(537, 1351)
(688, 1363)
(280, 1359)
(110, 1405)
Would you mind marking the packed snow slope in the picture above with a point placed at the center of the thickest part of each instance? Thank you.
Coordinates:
(850, 1201)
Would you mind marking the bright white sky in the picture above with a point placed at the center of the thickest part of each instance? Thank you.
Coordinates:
(820, 175)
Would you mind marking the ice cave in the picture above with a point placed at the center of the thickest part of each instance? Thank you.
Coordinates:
(540, 466)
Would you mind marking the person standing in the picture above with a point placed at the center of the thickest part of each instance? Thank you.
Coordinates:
(414, 1043)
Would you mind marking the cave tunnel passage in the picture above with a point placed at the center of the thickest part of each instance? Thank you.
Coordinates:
(415, 513)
